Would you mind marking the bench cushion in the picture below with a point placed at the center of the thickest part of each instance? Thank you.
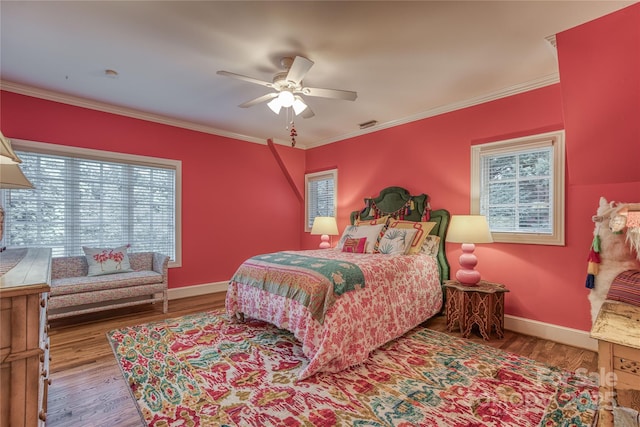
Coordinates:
(105, 298)
(76, 285)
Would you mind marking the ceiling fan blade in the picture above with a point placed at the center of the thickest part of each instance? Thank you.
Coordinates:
(258, 100)
(245, 78)
(346, 95)
(299, 69)
(307, 113)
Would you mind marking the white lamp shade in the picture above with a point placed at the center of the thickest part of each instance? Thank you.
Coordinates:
(7, 155)
(275, 105)
(299, 106)
(325, 225)
(469, 229)
(11, 177)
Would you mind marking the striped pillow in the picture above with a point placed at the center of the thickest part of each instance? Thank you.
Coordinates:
(626, 287)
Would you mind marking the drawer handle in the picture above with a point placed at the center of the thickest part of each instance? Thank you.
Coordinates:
(44, 373)
(43, 303)
(49, 381)
(43, 416)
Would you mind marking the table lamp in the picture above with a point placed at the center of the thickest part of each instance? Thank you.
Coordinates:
(11, 177)
(468, 230)
(325, 226)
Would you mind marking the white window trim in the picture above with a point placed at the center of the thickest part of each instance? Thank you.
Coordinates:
(554, 139)
(102, 155)
(310, 176)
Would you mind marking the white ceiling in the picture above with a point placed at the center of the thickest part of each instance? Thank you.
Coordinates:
(406, 60)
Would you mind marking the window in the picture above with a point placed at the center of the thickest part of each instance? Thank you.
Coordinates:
(94, 198)
(518, 184)
(320, 195)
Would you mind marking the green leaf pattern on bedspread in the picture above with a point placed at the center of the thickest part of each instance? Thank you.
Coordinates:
(312, 281)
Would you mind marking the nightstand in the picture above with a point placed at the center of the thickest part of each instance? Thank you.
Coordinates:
(481, 305)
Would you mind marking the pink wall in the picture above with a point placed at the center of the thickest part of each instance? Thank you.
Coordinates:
(599, 71)
(602, 106)
(228, 186)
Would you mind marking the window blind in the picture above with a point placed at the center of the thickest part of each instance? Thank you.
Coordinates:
(321, 196)
(517, 190)
(89, 202)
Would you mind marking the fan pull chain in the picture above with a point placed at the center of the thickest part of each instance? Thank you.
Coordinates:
(292, 126)
(293, 134)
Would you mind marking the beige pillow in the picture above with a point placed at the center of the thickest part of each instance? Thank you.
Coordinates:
(396, 241)
(423, 229)
(431, 245)
(381, 220)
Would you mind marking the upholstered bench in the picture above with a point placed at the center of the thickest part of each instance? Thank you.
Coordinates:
(74, 292)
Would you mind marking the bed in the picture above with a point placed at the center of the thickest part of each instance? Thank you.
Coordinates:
(342, 305)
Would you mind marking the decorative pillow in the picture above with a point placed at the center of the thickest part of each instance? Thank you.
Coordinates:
(107, 261)
(377, 221)
(372, 232)
(396, 241)
(423, 230)
(431, 245)
(355, 245)
(626, 287)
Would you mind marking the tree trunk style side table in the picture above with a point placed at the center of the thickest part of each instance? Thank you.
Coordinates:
(481, 305)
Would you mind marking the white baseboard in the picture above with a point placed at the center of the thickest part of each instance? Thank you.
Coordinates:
(561, 334)
(195, 290)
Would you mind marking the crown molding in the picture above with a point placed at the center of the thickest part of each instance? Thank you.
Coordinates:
(503, 93)
(127, 112)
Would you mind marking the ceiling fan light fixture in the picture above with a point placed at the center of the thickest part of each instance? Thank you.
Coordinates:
(298, 105)
(286, 98)
(275, 105)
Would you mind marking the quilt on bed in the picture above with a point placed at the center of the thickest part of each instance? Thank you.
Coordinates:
(347, 318)
(313, 282)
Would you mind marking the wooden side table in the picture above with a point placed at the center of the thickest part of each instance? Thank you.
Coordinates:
(481, 305)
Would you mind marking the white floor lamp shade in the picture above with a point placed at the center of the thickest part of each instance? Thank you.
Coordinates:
(468, 230)
(325, 226)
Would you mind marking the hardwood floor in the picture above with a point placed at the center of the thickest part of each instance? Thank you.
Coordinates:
(89, 390)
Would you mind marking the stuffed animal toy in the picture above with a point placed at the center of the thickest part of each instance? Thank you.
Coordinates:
(615, 254)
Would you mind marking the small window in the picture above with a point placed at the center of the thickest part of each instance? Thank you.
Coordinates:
(94, 198)
(320, 195)
(518, 184)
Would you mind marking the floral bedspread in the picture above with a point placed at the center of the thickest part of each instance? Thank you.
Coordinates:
(401, 292)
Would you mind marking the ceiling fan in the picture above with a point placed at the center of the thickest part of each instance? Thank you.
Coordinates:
(289, 88)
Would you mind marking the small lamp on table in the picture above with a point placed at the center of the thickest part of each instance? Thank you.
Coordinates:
(468, 230)
(11, 177)
(325, 226)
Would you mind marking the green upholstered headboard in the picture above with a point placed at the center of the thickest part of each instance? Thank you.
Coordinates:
(394, 201)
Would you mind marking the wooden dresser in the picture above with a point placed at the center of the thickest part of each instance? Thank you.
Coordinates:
(24, 342)
(617, 329)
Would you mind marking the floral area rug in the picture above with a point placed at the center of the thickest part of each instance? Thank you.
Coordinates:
(205, 370)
